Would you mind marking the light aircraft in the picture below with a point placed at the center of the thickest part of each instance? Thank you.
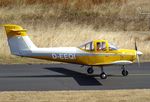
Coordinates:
(94, 53)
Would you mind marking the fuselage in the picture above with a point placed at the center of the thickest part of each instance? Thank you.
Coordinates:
(78, 56)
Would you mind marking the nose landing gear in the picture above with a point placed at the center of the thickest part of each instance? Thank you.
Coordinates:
(124, 71)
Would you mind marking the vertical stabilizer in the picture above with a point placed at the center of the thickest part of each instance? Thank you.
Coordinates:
(18, 39)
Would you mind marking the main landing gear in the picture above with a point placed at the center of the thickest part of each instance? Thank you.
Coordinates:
(90, 70)
(103, 75)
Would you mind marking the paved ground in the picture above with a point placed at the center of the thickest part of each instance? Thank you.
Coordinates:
(70, 77)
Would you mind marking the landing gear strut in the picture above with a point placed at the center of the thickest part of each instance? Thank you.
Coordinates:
(90, 70)
(103, 75)
(124, 71)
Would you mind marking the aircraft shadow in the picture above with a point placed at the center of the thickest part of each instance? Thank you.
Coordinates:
(81, 78)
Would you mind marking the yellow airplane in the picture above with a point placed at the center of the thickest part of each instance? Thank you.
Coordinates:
(94, 53)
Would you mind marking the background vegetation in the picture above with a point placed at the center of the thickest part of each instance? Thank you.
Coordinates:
(52, 23)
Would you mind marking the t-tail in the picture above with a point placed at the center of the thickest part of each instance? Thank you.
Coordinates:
(18, 39)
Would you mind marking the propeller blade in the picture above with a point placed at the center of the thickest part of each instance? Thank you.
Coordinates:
(138, 54)
(136, 46)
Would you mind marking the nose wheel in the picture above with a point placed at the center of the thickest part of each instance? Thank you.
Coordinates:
(124, 71)
(90, 70)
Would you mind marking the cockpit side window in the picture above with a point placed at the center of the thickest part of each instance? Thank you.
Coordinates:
(101, 46)
(88, 46)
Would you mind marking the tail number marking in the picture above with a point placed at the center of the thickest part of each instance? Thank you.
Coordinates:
(63, 56)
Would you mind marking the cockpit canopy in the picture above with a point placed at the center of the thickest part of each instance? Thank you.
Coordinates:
(98, 45)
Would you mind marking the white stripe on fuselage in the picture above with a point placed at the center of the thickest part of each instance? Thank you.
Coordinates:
(54, 53)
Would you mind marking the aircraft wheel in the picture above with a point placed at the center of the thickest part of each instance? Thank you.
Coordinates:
(90, 70)
(125, 73)
(103, 76)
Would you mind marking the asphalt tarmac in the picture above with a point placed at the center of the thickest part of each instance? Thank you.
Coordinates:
(48, 77)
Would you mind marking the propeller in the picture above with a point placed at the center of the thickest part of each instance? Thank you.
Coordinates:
(138, 54)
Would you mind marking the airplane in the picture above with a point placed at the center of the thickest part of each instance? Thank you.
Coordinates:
(93, 53)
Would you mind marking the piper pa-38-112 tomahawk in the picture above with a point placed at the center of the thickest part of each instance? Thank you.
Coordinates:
(94, 53)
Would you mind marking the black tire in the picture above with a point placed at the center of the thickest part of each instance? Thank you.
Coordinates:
(103, 76)
(125, 73)
(90, 70)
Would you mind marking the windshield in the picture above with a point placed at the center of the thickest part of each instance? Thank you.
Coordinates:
(112, 46)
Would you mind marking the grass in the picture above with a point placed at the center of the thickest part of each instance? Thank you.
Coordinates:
(54, 23)
(77, 96)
